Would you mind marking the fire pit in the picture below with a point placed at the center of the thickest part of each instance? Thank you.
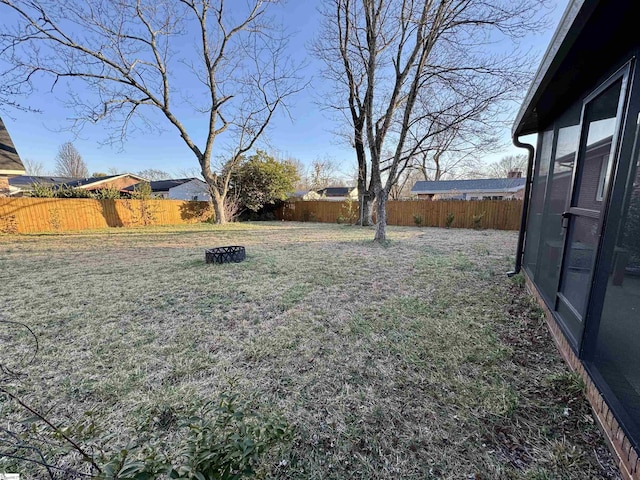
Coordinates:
(233, 254)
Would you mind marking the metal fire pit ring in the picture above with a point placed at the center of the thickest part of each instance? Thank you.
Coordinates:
(232, 254)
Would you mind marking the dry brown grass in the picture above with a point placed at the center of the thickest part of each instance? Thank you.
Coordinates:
(415, 359)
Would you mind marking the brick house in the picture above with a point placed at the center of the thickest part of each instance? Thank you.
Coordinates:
(579, 244)
(23, 184)
(119, 182)
(10, 163)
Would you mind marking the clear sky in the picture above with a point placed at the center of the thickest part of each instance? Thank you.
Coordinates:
(308, 136)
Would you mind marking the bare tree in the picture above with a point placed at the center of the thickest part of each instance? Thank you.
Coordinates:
(33, 167)
(323, 173)
(193, 172)
(69, 162)
(409, 71)
(153, 174)
(341, 47)
(509, 164)
(402, 187)
(131, 54)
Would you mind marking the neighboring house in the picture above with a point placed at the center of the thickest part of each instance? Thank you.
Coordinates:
(335, 194)
(300, 194)
(120, 182)
(580, 245)
(10, 163)
(180, 189)
(23, 185)
(191, 189)
(479, 189)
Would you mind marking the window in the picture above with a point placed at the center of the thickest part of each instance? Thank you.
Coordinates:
(536, 207)
(195, 198)
(604, 168)
(617, 348)
(547, 273)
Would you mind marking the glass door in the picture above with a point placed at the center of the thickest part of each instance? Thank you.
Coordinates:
(582, 219)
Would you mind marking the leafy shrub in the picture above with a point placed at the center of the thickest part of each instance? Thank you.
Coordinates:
(227, 439)
(477, 221)
(109, 193)
(449, 220)
(49, 191)
(417, 219)
(42, 191)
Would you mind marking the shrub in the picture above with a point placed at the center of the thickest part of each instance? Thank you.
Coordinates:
(449, 220)
(417, 219)
(227, 439)
(71, 192)
(477, 221)
(110, 193)
(42, 191)
(348, 212)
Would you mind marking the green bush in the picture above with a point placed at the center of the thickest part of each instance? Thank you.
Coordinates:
(449, 220)
(70, 192)
(48, 191)
(417, 219)
(110, 193)
(42, 191)
(225, 441)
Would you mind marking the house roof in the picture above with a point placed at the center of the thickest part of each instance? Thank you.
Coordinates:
(165, 185)
(476, 185)
(22, 181)
(591, 35)
(335, 191)
(10, 162)
(85, 182)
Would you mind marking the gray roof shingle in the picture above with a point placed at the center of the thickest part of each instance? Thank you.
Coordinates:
(476, 185)
(28, 180)
(164, 185)
(9, 158)
(335, 191)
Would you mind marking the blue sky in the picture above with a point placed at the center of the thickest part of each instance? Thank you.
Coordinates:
(308, 136)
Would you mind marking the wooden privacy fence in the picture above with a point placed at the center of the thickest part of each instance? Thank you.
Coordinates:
(26, 215)
(493, 214)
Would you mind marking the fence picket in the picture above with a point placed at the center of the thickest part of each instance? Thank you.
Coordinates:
(496, 214)
(28, 215)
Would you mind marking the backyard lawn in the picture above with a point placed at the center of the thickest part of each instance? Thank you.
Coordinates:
(414, 359)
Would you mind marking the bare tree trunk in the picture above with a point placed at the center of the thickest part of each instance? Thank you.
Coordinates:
(381, 211)
(218, 208)
(367, 208)
(217, 200)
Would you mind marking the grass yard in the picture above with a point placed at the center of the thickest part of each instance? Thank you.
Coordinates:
(417, 359)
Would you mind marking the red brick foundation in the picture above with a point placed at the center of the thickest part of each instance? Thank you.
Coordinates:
(4, 186)
(626, 455)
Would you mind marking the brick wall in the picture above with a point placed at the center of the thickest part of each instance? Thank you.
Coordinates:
(118, 183)
(626, 455)
(4, 186)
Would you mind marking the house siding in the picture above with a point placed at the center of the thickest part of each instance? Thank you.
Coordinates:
(189, 190)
